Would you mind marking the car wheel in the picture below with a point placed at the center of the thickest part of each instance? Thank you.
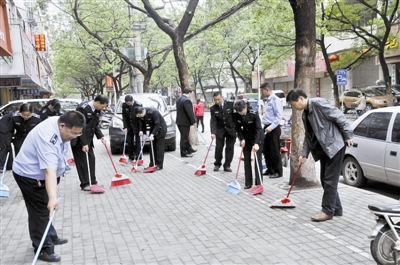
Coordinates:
(172, 146)
(352, 173)
(368, 107)
(343, 108)
(115, 150)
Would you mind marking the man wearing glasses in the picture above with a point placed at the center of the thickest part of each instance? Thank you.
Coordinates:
(84, 143)
(37, 170)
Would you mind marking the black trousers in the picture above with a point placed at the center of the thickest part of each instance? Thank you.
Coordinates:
(81, 165)
(36, 199)
(18, 144)
(272, 153)
(247, 164)
(229, 143)
(184, 142)
(4, 149)
(159, 150)
(330, 173)
(200, 119)
(133, 140)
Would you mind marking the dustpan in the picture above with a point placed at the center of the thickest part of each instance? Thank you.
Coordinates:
(4, 190)
(122, 159)
(93, 188)
(202, 169)
(154, 167)
(286, 202)
(259, 188)
(234, 186)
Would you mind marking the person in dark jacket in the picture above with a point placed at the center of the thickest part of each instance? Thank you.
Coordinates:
(250, 133)
(5, 140)
(52, 108)
(22, 123)
(184, 119)
(327, 133)
(158, 130)
(84, 143)
(131, 126)
(223, 130)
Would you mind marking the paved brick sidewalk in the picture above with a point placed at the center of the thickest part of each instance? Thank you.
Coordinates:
(174, 217)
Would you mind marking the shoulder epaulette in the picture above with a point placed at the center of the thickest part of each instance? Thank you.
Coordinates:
(35, 115)
(253, 112)
(84, 104)
(16, 114)
(230, 101)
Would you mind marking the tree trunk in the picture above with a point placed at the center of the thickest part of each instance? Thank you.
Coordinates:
(304, 17)
(180, 60)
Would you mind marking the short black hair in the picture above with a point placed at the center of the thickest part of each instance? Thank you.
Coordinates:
(216, 94)
(128, 98)
(26, 107)
(294, 95)
(240, 105)
(138, 110)
(265, 86)
(102, 99)
(73, 118)
(187, 90)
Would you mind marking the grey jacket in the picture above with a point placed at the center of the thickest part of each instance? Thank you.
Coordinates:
(329, 125)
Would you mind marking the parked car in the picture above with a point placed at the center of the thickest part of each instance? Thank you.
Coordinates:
(375, 154)
(395, 91)
(66, 104)
(148, 100)
(281, 95)
(375, 99)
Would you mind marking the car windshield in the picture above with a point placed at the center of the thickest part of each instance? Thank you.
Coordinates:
(147, 101)
(370, 92)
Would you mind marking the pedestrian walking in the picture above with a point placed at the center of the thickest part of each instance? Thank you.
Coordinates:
(199, 112)
(271, 119)
(158, 130)
(184, 119)
(361, 104)
(84, 143)
(250, 134)
(5, 140)
(326, 134)
(223, 130)
(22, 123)
(37, 170)
(131, 127)
(52, 108)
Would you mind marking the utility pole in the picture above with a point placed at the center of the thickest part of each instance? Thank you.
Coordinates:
(258, 77)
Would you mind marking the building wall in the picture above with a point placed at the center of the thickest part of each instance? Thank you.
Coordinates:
(365, 74)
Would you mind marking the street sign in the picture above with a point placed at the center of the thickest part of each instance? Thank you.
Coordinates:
(341, 77)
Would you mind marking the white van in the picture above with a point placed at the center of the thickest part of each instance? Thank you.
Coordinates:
(66, 104)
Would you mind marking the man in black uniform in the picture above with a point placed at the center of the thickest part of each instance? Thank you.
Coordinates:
(158, 130)
(222, 128)
(185, 118)
(52, 108)
(250, 133)
(5, 140)
(84, 143)
(131, 127)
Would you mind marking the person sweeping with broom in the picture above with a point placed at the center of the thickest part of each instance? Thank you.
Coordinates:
(250, 133)
(37, 170)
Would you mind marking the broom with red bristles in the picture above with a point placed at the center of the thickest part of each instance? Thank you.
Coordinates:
(286, 202)
(118, 179)
(202, 169)
(122, 159)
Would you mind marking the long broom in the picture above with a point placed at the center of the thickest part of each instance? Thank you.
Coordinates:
(286, 202)
(4, 190)
(135, 165)
(93, 188)
(234, 186)
(122, 159)
(154, 167)
(209, 147)
(259, 188)
(118, 179)
(202, 169)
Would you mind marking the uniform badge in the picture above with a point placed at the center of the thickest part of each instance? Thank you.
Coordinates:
(54, 139)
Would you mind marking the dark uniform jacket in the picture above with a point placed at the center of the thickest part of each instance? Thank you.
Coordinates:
(46, 112)
(91, 128)
(221, 120)
(22, 127)
(5, 133)
(156, 122)
(134, 121)
(184, 111)
(248, 127)
(126, 113)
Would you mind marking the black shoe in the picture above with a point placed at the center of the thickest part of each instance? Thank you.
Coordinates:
(49, 257)
(338, 213)
(192, 151)
(275, 176)
(202, 131)
(266, 173)
(227, 169)
(187, 155)
(60, 241)
(247, 187)
(159, 168)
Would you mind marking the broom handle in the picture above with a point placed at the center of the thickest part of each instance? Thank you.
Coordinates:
(240, 159)
(258, 169)
(141, 149)
(108, 152)
(202, 136)
(294, 179)
(4, 168)
(205, 159)
(126, 133)
(152, 152)
(88, 168)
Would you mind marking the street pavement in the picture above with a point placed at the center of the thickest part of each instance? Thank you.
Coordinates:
(175, 217)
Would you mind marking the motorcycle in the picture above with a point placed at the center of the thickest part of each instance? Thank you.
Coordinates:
(385, 243)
